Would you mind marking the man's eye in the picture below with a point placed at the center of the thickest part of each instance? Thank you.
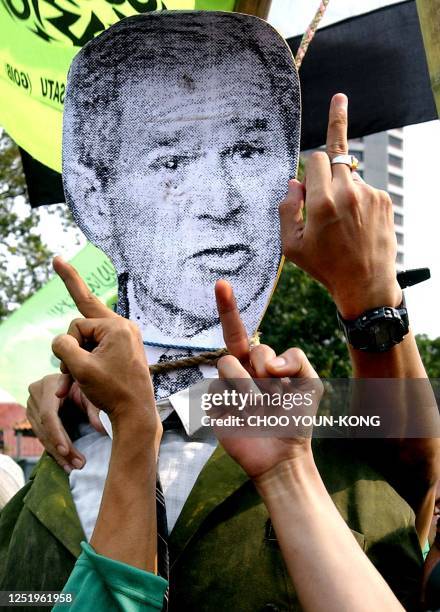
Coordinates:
(244, 151)
(170, 163)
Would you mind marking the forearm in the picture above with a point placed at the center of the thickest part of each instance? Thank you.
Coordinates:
(324, 560)
(402, 361)
(410, 454)
(126, 526)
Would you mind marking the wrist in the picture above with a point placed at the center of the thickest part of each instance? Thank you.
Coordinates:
(282, 479)
(365, 296)
(136, 422)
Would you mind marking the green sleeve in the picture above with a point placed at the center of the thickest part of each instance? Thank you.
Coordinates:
(99, 583)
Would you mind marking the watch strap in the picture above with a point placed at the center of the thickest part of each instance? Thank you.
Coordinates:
(358, 332)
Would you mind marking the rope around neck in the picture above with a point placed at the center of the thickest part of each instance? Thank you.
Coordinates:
(206, 358)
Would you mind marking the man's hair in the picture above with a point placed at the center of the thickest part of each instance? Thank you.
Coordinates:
(145, 48)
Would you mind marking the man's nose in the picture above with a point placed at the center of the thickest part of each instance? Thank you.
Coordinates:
(218, 195)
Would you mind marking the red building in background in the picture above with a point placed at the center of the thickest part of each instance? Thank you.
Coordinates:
(16, 437)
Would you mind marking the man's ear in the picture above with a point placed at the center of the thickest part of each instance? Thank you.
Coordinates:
(90, 208)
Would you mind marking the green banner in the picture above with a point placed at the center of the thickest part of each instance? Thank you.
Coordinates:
(26, 336)
(429, 16)
(39, 39)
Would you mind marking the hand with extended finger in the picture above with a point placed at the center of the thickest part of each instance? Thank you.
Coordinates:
(257, 455)
(347, 240)
(260, 365)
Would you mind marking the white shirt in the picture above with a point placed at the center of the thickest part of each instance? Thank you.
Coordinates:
(11, 479)
(181, 459)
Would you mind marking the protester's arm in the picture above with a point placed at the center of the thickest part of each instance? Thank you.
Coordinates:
(348, 243)
(115, 377)
(99, 583)
(326, 564)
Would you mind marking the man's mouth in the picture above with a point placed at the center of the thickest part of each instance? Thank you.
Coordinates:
(225, 259)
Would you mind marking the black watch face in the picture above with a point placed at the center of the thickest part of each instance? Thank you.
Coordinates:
(384, 334)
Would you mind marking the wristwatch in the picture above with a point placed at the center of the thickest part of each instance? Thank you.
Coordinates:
(378, 329)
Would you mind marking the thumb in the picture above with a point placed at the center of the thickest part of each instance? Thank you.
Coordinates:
(291, 217)
(291, 363)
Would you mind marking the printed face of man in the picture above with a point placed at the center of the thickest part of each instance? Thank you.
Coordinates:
(194, 197)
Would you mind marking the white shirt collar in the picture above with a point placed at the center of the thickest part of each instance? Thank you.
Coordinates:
(191, 416)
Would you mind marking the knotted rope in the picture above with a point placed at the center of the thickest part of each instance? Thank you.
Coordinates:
(205, 358)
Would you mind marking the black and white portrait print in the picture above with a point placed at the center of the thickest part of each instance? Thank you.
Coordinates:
(181, 131)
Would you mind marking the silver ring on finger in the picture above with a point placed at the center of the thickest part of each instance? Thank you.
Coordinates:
(349, 160)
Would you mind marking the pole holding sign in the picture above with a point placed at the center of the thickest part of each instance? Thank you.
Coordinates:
(429, 16)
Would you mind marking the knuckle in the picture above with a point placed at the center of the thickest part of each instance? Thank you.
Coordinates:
(86, 299)
(121, 324)
(385, 198)
(337, 147)
(234, 337)
(283, 206)
(226, 361)
(317, 156)
(368, 190)
(319, 386)
(30, 418)
(326, 204)
(57, 343)
(74, 324)
(297, 353)
(259, 349)
(338, 120)
(134, 329)
(351, 195)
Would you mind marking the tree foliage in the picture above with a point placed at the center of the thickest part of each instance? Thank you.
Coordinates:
(430, 353)
(302, 314)
(25, 260)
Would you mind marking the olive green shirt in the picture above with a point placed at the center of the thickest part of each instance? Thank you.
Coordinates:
(223, 551)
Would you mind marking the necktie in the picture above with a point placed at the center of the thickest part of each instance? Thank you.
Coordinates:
(167, 383)
(172, 422)
(162, 539)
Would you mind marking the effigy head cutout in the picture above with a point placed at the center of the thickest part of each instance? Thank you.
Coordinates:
(181, 130)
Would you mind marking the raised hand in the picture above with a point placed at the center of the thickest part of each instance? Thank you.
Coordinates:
(258, 455)
(114, 375)
(347, 240)
(49, 394)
